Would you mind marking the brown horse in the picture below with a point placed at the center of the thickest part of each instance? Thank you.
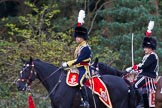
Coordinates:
(158, 94)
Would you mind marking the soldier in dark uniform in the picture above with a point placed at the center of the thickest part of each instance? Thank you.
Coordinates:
(150, 64)
(82, 59)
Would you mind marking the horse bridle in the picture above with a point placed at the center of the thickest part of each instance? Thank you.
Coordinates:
(32, 72)
(95, 70)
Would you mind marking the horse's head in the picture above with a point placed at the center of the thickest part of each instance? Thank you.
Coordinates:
(27, 75)
(105, 69)
(94, 67)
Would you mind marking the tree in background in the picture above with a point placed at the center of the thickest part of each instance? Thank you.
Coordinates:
(124, 18)
(39, 34)
(43, 29)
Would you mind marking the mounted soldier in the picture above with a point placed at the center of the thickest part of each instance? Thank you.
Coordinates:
(82, 56)
(147, 69)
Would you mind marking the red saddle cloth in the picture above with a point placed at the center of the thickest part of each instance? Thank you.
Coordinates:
(72, 78)
(150, 85)
(152, 99)
(99, 88)
(94, 83)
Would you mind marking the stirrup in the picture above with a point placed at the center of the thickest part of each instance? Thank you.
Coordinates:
(140, 106)
(84, 104)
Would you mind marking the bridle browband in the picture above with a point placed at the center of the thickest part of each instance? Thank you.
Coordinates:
(32, 72)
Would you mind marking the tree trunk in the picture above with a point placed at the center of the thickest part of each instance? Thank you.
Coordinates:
(105, 31)
(157, 7)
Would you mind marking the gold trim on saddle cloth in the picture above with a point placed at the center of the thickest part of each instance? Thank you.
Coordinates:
(99, 88)
(152, 99)
(151, 88)
(72, 77)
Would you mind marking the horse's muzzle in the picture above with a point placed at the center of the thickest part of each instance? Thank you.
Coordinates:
(21, 86)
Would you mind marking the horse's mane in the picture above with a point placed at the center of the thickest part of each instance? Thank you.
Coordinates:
(45, 66)
(107, 69)
(44, 63)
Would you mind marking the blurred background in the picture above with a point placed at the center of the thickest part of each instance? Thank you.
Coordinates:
(43, 29)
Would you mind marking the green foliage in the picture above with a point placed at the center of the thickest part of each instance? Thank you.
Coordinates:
(20, 100)
(36, 26)
(5, 43)
(46, 33)
(128, 16)
(101, 50)
(30, 35)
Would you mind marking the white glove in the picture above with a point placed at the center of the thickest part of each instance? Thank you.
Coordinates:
(129, 69)
(64, 65)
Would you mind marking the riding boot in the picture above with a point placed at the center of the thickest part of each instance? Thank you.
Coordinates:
(84, 99)
(139, 98)
(145, 100)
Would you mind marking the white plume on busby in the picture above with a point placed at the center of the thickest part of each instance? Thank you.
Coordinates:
(149, 28)
(150, 25)
(81, 31)
(149, 42)
(81, 16)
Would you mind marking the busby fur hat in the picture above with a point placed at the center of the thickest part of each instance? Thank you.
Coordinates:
(149, 42)
(81, 32)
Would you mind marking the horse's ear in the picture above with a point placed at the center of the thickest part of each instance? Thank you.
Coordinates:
(96, 62)
(31, 59)
(22, 60)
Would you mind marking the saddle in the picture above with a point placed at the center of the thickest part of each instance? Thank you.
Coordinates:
(94, 83)
(148, 88)
(72, 77)
(100, 89)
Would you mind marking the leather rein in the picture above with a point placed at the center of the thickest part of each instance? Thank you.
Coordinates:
(33, 72)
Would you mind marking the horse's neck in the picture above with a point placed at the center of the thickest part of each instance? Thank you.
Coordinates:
(108, 70)
(45, 75)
